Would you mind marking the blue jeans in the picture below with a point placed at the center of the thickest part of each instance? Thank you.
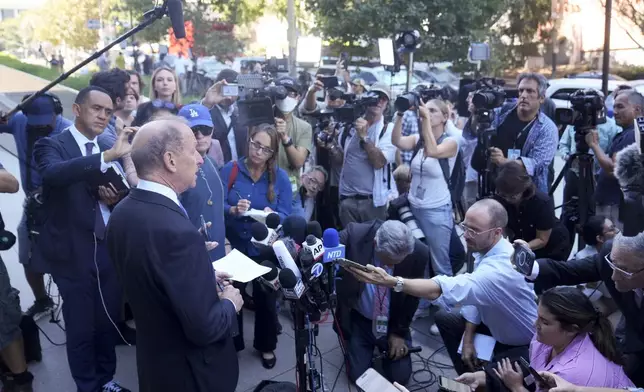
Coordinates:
(437, 224)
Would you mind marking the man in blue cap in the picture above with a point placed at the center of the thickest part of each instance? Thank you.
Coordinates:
(42, 117)
(206, 198)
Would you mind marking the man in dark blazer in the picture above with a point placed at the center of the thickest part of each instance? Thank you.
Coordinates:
(620, 267)
(183, 322)
(372, 317)
(229, 131)
(72, 238)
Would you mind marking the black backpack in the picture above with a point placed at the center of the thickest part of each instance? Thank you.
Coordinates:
(455, 181)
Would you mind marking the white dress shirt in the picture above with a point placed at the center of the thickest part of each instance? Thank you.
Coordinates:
(496, 295)
(228, 118)
(82, 140)
(160, 189)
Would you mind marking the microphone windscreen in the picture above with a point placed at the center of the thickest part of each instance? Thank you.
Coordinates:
(259, 231)
(292, 247)
(273, 220)
(628, 167)
(287, 278)
(313, 228)
(294, 226)
(272, 274)
(330, 238)
(175, 12)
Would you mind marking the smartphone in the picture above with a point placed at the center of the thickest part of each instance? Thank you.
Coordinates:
(537, 377)
(344, 56)
(329, 81)
(449, 385)
(204, 228)
(348, 263)
(230, 90)
(372, 381)
(523, 259)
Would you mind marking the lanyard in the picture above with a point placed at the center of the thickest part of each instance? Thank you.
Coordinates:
(381, 298)
(514, 145)
(422, 160)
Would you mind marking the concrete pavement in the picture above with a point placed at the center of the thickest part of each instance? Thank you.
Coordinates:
(52, 374)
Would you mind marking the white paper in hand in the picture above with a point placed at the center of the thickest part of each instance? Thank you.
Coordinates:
(240, 267)
(258, 215)
(484, 346)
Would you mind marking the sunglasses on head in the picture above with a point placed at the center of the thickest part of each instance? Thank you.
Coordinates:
(160, 104)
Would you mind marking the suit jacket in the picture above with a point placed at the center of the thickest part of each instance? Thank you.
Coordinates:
(592, 269)
(358, 239)
(67, 238)
(183, 340)
(221, 134)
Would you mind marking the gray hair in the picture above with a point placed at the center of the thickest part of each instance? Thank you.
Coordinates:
(395, 239)
(542, 82)
(496, 212)
(322, 170)
(632, 245)
(634, 98)
(149, 157)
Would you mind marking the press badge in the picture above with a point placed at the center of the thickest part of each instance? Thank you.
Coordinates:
(380, 325)
(293, 181)
(420, 192)
(514, 153)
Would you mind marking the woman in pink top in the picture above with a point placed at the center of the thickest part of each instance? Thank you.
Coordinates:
(572, 341)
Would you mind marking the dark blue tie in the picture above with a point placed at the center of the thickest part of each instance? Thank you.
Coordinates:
(184, 210)
(99, 224)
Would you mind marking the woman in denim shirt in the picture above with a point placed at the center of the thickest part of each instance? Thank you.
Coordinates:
(256, 182)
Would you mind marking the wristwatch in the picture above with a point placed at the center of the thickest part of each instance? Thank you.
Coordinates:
(398, 288)
(288, 143)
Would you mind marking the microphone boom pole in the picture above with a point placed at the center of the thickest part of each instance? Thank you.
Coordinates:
(149, 17)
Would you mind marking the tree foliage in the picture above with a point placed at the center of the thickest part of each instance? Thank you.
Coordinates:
(17, 33)
(632, 10)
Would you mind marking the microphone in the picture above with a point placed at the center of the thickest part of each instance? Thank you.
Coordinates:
(410, 351)
(285, 259)
(314, 246)
(273, 221)
(313, 228)
(262, 236)
(270, 279)
(175, 12)
(311, 275)
(629, 170)
(292, 286)
(294, 226)
(333, 250)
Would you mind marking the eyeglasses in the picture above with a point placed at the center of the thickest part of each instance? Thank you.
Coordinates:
(505, 196)
(473, 233)
(312, 183)
(627, 274)
(160, 104)
(258, 147)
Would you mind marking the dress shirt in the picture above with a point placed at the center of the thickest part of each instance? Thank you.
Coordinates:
(369, 292)
(227, 115)
(409, 127)
(495, 294)
(580, 363)
(82, 140)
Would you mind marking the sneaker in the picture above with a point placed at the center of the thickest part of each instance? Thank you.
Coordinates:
(41, 308)
(434, 330)
(113, 386)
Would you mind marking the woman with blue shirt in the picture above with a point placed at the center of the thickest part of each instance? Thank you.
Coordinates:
(256, 182)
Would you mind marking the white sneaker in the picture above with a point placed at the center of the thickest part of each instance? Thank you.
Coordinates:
(434, 330)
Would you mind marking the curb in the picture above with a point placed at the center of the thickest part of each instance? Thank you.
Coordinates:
(58, 86)
(7, 102)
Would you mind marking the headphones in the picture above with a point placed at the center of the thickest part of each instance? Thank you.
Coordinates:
(58, 106)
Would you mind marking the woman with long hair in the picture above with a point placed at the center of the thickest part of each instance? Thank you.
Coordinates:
(573, 341)
(531, 215)
(256, 182)
(165, 86)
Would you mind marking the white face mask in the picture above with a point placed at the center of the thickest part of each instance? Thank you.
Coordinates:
(286, 105)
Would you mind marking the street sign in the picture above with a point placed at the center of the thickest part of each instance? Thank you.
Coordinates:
(93, 24)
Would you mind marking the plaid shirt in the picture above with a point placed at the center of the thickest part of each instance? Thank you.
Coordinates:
(409, 127)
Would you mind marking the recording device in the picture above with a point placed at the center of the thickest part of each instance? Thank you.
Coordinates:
(489, 93)
(273, 222)
(344, 57)
(449, 385)
(110, 176)
(230, 90)
(257, 96)
(401, 207)
(522, 259)
(537, 377)
(294, 226)
(587, 112)
(354, 107)
(352, 264)
(270, 280)
(420, 94)
(372, 381)
(333, 249)
(313, 228)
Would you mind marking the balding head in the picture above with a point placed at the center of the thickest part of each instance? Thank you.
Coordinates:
(484, 223)
(496, 214)
(164, 151)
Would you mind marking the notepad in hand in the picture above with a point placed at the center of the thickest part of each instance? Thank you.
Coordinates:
(484, 346)
(111, 176)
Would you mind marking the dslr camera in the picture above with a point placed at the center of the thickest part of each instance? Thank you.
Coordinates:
(354, 107)
(414, 98)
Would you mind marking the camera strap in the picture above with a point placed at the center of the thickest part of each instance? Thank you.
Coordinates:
(520, 133)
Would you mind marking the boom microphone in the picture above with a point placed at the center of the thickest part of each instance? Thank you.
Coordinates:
(175, 12)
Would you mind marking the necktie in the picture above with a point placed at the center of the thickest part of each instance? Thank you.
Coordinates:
(99, 224)
(183, 209)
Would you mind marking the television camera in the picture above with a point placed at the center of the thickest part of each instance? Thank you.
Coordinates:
(345, 115)
(257, 95)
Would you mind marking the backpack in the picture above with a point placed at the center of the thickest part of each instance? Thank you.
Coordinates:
(233, 175)
(455, 181)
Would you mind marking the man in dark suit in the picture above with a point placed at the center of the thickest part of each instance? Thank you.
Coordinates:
(73, 237)
(183, 322)
(371, 316)
(230, 133)
(620, 267)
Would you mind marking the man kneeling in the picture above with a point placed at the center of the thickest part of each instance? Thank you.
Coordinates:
(372, 316)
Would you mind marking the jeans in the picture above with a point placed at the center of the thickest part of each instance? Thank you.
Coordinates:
(437, 224)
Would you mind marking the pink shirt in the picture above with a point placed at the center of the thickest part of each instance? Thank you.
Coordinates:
(580, 363)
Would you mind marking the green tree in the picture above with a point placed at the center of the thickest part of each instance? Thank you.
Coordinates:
(17, 33)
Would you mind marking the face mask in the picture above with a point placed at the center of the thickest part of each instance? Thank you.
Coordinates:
(286, 105)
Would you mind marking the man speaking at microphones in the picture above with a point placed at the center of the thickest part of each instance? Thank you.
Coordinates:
(375, 317)
(184, 322)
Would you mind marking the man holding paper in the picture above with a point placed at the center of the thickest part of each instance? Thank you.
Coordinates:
(496, 300)
(184, 323)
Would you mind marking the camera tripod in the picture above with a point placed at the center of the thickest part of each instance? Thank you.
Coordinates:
(485, 133)
(581, 206)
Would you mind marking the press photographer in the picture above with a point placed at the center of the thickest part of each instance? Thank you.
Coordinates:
(42, 117)
(518, 131)
(629, 105)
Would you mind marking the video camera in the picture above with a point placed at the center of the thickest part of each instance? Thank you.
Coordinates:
(489, 94)
(257, 95)
(588, 111)
(421, 93)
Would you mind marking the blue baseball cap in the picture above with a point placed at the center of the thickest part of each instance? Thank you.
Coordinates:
(40, 111)
(196, 114)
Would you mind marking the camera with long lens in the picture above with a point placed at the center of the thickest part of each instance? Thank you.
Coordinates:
(588, 111)
(399, 209)
(257, 95)
(421, 93)
(324, 119)
(354, 107)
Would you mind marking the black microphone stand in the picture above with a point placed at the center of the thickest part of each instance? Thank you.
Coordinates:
(149, 17)
(301, 343)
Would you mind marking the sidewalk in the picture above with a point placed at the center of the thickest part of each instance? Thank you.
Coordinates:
(52, 374)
